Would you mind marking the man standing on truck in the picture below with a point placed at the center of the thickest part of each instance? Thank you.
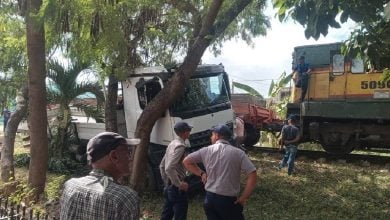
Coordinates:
(99, 194)
(289, 139)
(224, 164)
(173, 174)
(302, 78)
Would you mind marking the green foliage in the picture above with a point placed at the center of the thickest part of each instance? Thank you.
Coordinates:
(64, 165)
(22, 160)
(247, 88)
(22, 193)
(275, 89)
(54, 186)
(372, 37)
(318, 15)
(386, 74)
(371, 41)
(13, 53)
(65, 86)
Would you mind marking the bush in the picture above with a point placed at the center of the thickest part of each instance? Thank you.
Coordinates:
(22, 160)
(64, 165)
(54, 186)
(57, 165)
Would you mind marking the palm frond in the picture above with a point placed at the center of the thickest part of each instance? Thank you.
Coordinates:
(247, 88)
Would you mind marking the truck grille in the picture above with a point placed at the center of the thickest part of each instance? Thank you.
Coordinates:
(202, 139)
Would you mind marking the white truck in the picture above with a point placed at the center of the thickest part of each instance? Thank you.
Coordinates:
(204, 104)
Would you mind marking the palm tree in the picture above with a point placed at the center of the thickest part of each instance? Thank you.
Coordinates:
(64, 86)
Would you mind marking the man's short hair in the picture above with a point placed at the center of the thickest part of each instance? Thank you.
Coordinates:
(182, 126)
(301, 57)
(293, 118)
(103, 143)
(222, 130)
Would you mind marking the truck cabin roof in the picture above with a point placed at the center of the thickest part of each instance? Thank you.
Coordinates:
(160, 70)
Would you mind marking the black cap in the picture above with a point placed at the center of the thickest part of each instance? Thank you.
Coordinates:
(182, 126)
(222, 130)
(292, 118)
(103, 143)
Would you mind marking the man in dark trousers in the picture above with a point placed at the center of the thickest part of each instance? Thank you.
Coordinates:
(173, 174)
(289, 139)
(302, 79)
(224, 164)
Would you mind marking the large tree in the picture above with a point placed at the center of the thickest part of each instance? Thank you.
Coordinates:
(217, 17)
(37, 97)
(121, 35)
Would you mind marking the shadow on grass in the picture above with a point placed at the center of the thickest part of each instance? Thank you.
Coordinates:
(316, 191)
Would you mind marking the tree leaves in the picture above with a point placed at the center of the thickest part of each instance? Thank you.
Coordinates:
(371, 39)
(247, 88)
(318, 15)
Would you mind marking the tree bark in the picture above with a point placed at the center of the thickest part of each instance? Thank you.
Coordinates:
(7, 153)
(168, 95)
(209, 31)
(110, 104)
(37, 97)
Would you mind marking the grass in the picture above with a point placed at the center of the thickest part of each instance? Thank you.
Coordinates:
(316, 191)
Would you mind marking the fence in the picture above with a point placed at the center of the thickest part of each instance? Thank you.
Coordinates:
(12, 211)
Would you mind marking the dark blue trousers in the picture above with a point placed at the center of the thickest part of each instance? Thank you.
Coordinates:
(175, 205)
(218, 207)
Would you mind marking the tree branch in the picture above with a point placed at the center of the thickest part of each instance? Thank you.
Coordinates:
(229, 16)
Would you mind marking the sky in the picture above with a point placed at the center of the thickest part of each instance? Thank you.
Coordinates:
(271, 55)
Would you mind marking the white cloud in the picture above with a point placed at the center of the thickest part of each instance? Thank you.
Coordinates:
(271, 55)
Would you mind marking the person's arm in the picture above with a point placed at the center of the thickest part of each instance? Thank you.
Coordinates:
(190, 163)
(297, 136)
(295, 140)
(282, 139)
(250, 185)
(171, 165)
(162, 172)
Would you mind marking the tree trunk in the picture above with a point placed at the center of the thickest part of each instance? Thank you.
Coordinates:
(208, 32)
(37, 97)
(7, 154)
(110, 105)
(168, 95)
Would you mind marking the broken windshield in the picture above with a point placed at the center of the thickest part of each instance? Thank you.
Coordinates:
(202, 93)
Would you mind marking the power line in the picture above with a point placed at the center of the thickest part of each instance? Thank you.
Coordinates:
(256, 80)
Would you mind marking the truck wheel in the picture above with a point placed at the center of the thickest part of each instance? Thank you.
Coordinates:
(252, 135)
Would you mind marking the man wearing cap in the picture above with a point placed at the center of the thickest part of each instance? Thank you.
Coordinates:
(289, 139)
(173, 174)
(99, 195)
(302, 80)
(224, 164)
